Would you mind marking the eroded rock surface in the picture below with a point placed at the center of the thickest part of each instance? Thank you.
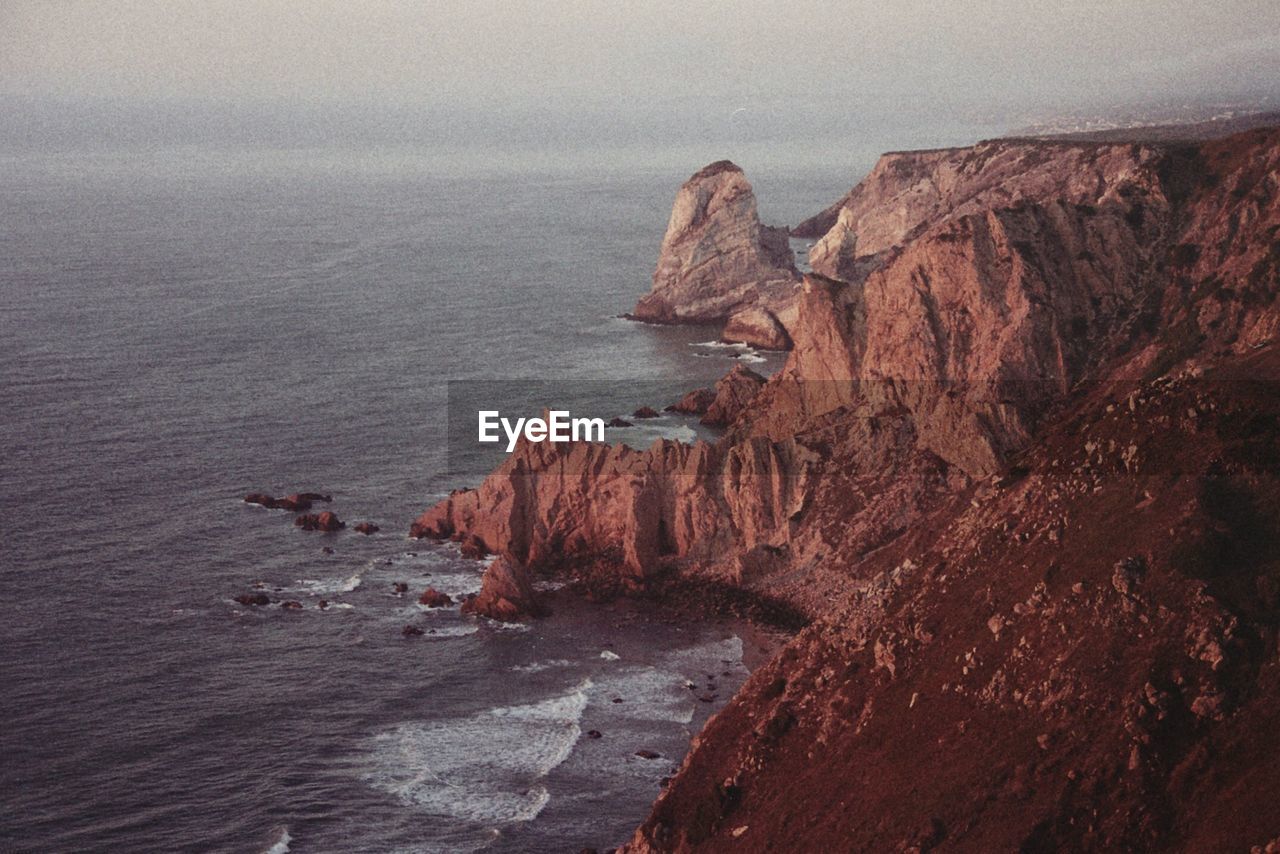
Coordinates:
(717, 258)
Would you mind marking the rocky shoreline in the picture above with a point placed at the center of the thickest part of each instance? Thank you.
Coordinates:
(1018, 476)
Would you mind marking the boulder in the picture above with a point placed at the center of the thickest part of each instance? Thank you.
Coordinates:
(506, 594)
(254, 599)
(326, 521)
(412, 632)
(367, 528)
(433, 598)
(758, 327)
(646, 412)
(618, 422)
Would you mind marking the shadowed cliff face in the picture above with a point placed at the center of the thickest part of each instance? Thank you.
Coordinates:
(718, 260)
(1022, 470)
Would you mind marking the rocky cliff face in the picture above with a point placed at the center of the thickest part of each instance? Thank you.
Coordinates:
(909, 192)
(1021, 470)
(718, 260)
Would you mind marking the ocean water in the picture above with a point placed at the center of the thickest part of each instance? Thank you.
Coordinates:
(181, 327)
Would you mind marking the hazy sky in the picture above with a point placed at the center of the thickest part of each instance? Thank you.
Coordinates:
(795, 62)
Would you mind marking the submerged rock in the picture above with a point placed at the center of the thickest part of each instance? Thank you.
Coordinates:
(367, 528)
(326, 521)
(254, 599)
(433, 598)
(646, 412)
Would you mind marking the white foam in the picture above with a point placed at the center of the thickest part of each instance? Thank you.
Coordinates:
(484, 767)
(608, 655)
(539, 666)
(723, 345)
(281, 845)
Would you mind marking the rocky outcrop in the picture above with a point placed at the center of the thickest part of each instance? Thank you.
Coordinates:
(734, 394)
(909, 192)
(433, 598)
(326, 521)
(552, 503)
(694, 403)
(506, 594)
(756, 326)
(296, 503)
(717, 258)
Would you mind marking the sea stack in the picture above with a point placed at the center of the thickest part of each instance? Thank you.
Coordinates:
(717, 260)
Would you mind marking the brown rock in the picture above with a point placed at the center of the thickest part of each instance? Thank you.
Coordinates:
(412, 632)
(366, 528)
(646, 412)
(734, 394)
(618, 422)
(473, 548)
(433, 598)
(716, 257)
(758, 327)
(326, 521)
(254, 599)
(694, 403)
(506, 594)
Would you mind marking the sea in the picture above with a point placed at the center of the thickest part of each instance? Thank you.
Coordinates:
(182, 326)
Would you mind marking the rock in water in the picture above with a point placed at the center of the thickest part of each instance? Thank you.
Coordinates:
(367, 528)
(506, 594)
(758, 327)
(433, 598)
(326, 521)
(694, 403)
(716, 257)
(734, 393)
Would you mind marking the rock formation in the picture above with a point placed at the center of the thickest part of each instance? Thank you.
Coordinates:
(506, 594)
(433, 598)
(694, 403)
(1020, 470)
(756, 326)
(326, 521)
(734, 393)
(717, 259)
(296, 503)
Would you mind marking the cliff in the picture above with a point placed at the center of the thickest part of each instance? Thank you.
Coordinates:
(1020, 469)
(718, 260)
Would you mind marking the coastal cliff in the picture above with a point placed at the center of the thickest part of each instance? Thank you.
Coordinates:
(1020, 470)
(718, 261)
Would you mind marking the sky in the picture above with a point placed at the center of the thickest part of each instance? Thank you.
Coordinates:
(642, 64)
